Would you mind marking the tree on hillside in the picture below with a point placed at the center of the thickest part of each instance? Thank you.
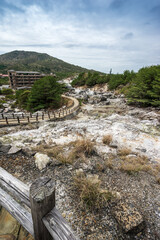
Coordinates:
(45, 93)
(145, 88)
(22, 96)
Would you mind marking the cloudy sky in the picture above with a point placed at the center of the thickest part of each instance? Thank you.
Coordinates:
(96, 34)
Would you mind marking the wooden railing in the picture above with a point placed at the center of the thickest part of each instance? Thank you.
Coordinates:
(14, 119)
(42, 220)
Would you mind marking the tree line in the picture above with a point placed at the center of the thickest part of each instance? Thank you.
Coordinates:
(141, 88)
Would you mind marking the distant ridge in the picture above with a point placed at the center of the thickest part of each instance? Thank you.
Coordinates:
(33, 61)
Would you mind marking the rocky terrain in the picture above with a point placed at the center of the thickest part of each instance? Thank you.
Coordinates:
(123, 159)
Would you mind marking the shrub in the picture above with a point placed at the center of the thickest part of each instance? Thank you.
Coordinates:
(4, 81)
(6, 91)
(145, 88)
(90, 191)
(10, 97)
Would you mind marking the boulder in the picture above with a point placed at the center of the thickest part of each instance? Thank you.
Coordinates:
(128, 217)
(41, 160)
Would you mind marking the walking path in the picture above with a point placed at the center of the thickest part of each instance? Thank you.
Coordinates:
(45, 116)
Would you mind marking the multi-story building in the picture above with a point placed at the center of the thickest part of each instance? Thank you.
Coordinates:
(23, 79)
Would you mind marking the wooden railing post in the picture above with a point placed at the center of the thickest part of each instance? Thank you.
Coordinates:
(6, 120)
(18, 120)
(37, 117)
(49, 115)
(28, 119)
(42, 198)
(42, 115)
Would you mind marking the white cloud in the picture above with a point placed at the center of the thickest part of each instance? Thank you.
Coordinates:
(69, 38)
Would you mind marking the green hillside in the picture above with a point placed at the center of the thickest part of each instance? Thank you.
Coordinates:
(33, 61)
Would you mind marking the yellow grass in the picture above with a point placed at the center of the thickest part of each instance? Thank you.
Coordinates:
(135, 164)
(124, 151)
(83, 146)
(107, 139)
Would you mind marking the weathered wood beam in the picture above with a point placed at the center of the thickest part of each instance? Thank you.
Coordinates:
(15, 186)
(58, 227)
(17, 211)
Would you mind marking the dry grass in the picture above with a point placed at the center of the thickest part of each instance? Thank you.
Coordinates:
(107, 139)
(66, 159)
(109, 163)
(84, 146)
(156, 169)
(158, 180)
(124, 151)
(135, 164)
(90, 191)
(47, 149)
(78, 149)
(56, 152)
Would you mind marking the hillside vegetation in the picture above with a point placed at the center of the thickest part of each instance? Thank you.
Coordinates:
(33, 61)
(142, 88)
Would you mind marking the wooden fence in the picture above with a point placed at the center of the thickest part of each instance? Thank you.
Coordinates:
(42, 220)
(15, 119)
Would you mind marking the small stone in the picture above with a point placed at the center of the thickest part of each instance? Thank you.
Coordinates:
(141, 149)
(14, 150)
(64, 215)
(79, 172)
(41, 160)
(112, 145)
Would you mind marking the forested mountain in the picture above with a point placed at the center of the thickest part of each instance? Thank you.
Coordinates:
(33, 61)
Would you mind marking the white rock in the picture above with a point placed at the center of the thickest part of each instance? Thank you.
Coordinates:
(41, 160)
(14, 150)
